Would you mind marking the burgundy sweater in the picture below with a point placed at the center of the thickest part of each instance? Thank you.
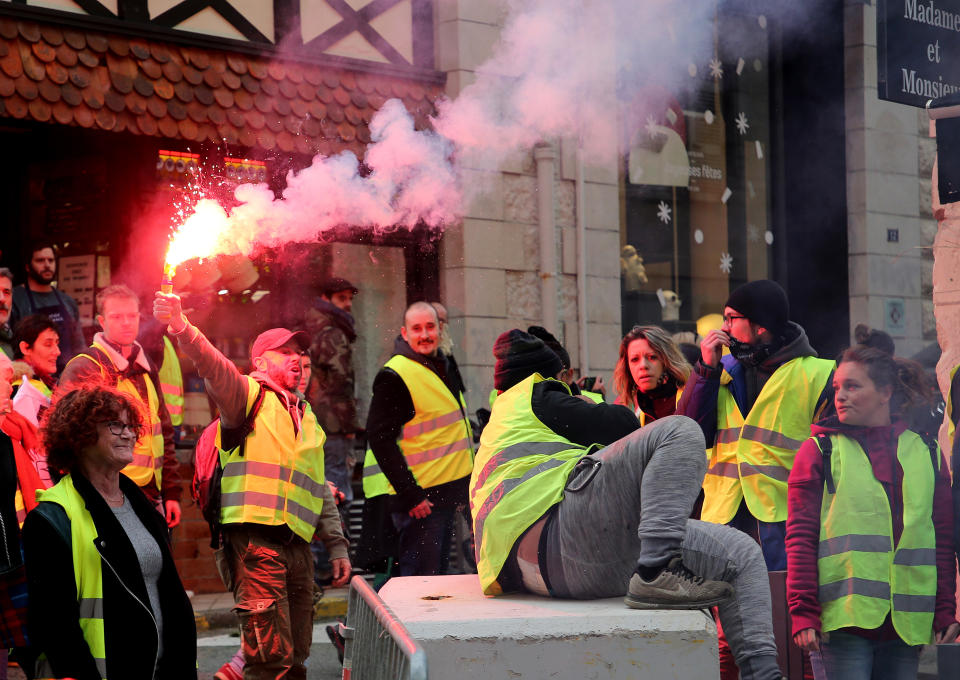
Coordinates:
(805, 493)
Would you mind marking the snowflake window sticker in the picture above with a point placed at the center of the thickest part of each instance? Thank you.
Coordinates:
(716, 69)
(663, 212)
(742, 124)
(651, 127)
(726, 263)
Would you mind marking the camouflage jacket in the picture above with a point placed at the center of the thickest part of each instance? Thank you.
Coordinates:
(331, 388)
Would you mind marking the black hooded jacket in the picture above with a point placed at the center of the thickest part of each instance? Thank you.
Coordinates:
(129, 628)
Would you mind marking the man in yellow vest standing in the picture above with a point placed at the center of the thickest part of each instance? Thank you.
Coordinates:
(274, 496)
(420, 441)
(117, 359)
(573, 499)
(755, 407)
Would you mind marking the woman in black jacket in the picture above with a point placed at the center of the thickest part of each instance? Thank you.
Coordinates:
(119, 610)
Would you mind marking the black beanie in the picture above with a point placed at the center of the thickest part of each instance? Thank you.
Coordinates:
(551, 342)
(763, 302)
(520, 355)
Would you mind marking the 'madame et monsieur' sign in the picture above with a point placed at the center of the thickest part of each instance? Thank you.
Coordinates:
(918, 49)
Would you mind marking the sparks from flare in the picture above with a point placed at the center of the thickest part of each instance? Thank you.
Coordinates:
(203, 234)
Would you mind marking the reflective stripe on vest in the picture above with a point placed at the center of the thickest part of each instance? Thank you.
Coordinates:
(751, 457)
(861, 575)
(520, 472)
(171, 382)
(147, 465)
(86, 571)
(436, 443)
(279, 478)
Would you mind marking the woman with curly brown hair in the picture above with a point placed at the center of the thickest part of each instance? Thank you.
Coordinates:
(105, 597)
(650, 373)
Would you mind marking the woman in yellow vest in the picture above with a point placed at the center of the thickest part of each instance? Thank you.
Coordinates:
(650, 373)
(105, 597)
(871, 575)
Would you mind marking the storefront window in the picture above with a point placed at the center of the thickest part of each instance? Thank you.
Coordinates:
(696, 183)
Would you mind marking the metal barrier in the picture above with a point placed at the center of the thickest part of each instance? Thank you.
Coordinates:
(376, 645)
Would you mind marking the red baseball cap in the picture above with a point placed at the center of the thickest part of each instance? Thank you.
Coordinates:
(278, 337)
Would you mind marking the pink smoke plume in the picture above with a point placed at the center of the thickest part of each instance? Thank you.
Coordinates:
(566, 68)
(562, 68)
(411, 181)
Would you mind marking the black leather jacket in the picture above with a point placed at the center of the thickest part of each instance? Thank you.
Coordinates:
(130, 632)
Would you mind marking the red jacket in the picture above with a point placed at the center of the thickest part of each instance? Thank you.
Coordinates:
(32, 471)
(804, 496)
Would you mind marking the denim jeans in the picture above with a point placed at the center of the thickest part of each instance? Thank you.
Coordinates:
(844, 656)
(424, 548)
(337, 464)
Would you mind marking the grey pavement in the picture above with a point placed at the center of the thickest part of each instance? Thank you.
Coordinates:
(217, 647)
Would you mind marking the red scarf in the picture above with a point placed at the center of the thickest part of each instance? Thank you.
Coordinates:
(24, 436)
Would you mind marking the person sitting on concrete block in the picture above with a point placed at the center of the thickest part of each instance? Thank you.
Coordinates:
(572, 499)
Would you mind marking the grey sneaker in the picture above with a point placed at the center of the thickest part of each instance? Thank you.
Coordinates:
(676, 587)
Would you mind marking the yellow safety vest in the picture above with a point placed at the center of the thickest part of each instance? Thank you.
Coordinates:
(751, 457)
(37, 383)
(642, 416)
(171, 382)
(436, 443)
(861, 575)
(279, 478)
(86, 571)
(595, 397)
(147, 465)
(951, 429)
(520, 473)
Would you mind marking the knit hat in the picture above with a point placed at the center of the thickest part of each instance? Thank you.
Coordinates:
(551, 342)
(763, 302)
(335, 285)
(520, 355)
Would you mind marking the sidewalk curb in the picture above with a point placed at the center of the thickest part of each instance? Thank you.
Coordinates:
(214, 611)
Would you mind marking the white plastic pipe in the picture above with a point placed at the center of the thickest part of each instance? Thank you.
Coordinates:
(546, 156)
(582, 266)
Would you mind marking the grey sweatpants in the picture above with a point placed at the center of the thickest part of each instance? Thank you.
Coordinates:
(634, 511)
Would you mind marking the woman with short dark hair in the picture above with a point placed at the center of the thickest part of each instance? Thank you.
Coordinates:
(36, 348)
(105, 597)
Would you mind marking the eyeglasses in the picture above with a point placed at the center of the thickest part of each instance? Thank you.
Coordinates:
(117, 428)
(730, 318)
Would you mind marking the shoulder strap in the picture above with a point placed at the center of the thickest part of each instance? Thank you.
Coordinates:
(250, 421)
(826, 450)
(934, 447)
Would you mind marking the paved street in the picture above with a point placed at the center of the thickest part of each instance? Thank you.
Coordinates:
(216, 648)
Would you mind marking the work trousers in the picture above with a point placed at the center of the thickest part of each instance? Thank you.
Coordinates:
(272, 578)
(628, 505)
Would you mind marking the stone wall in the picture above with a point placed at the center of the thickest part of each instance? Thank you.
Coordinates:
(490, 277)
(889, 158)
